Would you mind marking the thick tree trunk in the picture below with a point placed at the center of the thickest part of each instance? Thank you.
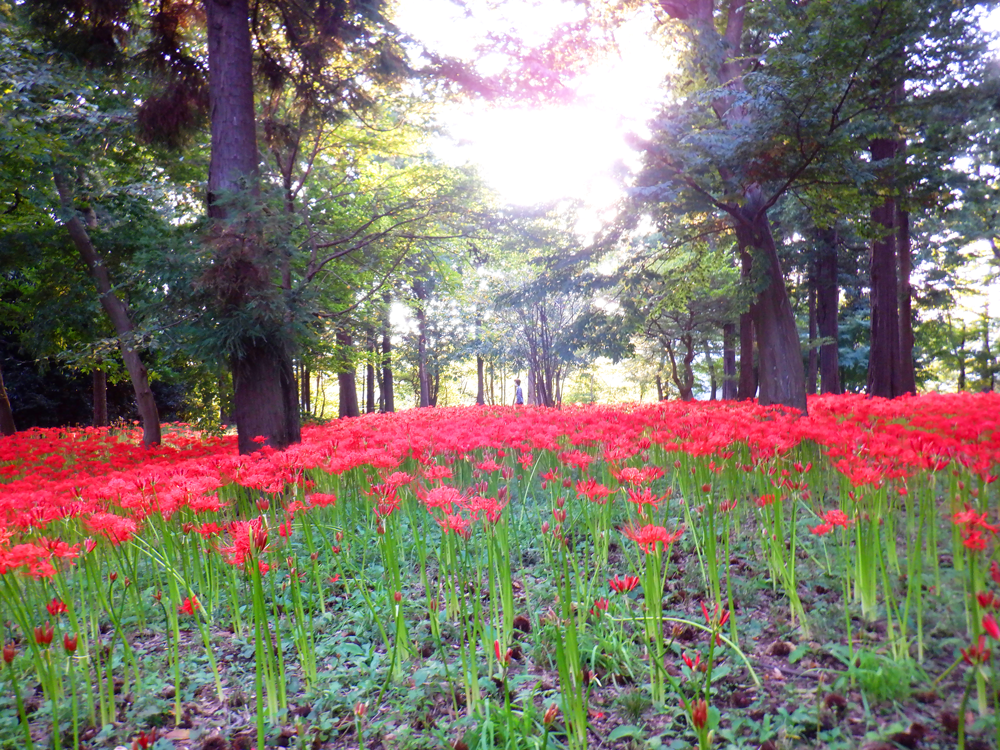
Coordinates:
(99, 383)
(883, 358)
(729, 376)
(7, 426)
(907, 371)
(370, 374)
(480, 381)
(262, 369)
(347, 379)
(265, 401)
(827, 309)
(682, 376)
(388, 397)
(812, 370)
(782, 377)
(747, 385)
(117, 312)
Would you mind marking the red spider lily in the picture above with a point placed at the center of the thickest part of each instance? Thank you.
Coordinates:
(9, 652)
(986, 599)
(692, 665)
(648, 536)
(550, 714)
(504, 660)
(715, 619)
(600, 605)
(630, 475)
(322, 499)
(991, 627)
(69, 643)
(44, 634)
(56, 607)
(823, 528)
(360, 709)
(145, 740)
(644, 498)
(764, 500)
(190, 606)
(623, 585)
(698, 712)
(977, 654)
(592, 490)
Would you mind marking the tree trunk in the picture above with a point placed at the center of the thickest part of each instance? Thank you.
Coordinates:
(265, 401)
(117, 312)
(370, 374)
(480, 381)
(388, 397)
(347, 379)
(812, 371)
(747, 385)
(99, 383)
(262, 368)
(960, 356)
(712, 381)
(659, 387)
(827, 309)
(883, 358)
(7, 426)
(782, 377)
(729, 376)
(306, 389)
(907, 371)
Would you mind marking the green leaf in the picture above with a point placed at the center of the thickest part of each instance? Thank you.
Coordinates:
(627, 730)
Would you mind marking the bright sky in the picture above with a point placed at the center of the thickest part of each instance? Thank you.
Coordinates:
(538, 155)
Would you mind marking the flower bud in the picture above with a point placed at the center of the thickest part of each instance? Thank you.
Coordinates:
(9, 652)
(69, 643)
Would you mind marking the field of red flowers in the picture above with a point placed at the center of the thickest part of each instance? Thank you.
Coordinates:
(668, 576)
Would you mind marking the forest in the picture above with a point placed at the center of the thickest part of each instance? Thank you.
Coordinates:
(264, 479)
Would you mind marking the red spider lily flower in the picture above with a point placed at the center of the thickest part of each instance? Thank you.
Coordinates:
(360, 709)
(699, 714)
(550, 714)
(600, 605)
(263, 504)
(263, 567)
(593, 491)
(644, 498)
(715, 618)
(764, 500)
(991, 627)
(623, 585)
(692, 665)
(285, 529)
(648, 536)
(322, 499)
(145, 740)
(995, 572)
(706, 487)
(9, 652)
(43, 634)
(56, 607)
(190, 606)
(550, 476)
(823, 528)
(630, 475)
(112, 576)
(504, 660)
(837, 517)
(985, 599)
(977, 654)
(334, 579)
(69, 643)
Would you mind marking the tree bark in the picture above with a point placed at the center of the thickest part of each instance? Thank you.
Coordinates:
(827, 309)
(729, 376)
(480, 381)
(747, 385)
(7, 425)
(347, 379)
(907, 371)
(388, 397)
(812, 370)
(262, 366)
(116, 310)
(265, 399)
(712, 380)
(99, 383)
(370, 373)
(782, 377)
(883, 359)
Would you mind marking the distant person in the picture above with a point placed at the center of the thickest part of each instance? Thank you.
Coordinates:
(518, 393)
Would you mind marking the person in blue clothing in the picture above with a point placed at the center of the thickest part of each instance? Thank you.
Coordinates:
(518, 393)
